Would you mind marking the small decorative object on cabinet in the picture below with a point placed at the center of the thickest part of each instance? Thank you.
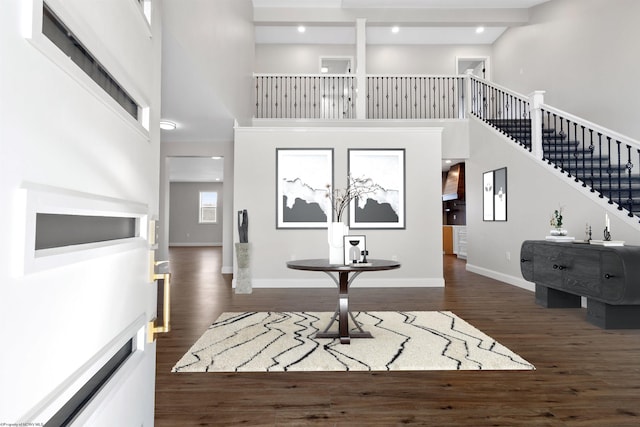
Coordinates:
(607, 236)
(557, 233)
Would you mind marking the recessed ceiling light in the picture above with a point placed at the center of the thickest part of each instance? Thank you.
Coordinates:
(324, 70)
(216, 158)
(447, 161)
(301, 29)
(167, 125)
(395, 29)
(479, 30)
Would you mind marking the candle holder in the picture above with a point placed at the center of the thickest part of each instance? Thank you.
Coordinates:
(587, 232)
(607, 234)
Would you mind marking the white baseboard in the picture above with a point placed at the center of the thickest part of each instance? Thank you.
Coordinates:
(426, 282)
(512, 280)
(195, 244)
(515, 281)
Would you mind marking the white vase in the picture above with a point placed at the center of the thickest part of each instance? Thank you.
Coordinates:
(335, 234)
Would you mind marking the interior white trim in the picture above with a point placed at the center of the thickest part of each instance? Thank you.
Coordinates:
(195, 244)
(52, 403)
(140, 11)
(361, 282)
(32, 199)
(32, 31)
(512, 280)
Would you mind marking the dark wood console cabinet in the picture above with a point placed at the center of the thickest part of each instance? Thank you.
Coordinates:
(608, 276)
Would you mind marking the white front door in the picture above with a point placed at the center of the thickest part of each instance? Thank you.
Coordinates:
(79, 160)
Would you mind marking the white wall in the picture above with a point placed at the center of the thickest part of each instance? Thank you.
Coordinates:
(418, 247)
(184, 228)
(381, 59)
(580, 52)
(420, 59)
(297, 58)
(534, 191)
(223, 63)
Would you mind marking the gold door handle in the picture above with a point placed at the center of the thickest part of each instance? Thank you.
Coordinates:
(164, 280)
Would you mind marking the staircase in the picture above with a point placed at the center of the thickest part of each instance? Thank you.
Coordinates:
(603, 164)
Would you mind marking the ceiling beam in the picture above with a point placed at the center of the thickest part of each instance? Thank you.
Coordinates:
(377, 16)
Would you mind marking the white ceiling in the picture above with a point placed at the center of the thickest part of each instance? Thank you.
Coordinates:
(420, 21)
(377, 35)
(187, 98)
(389, 4)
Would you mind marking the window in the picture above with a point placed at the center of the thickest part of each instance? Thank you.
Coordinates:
(145, 7)
(208, 207)
(55, 30)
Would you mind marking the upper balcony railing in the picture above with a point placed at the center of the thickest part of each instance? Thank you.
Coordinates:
(309, 96)
(415, 97)
(323, 96)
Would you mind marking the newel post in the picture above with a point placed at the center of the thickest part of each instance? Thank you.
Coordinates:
(361, 68)
(536, 99)
(467, 93)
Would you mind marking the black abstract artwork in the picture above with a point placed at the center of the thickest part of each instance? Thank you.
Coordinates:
(494, 186)
(303, 179)
(383, 205)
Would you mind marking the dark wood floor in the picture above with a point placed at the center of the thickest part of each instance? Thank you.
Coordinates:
(585, 376)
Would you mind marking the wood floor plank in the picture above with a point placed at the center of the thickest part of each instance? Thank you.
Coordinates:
(584, 376)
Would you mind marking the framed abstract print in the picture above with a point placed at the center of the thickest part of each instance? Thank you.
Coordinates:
(303, 176)
(382, 204)
(494, 191)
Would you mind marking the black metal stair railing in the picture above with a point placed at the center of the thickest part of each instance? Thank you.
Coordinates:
(605, 162)
(507, 111)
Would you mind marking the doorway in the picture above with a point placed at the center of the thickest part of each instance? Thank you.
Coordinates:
(336, 65)
(196, 197)
(479, 66)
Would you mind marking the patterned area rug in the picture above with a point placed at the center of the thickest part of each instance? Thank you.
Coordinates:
(276, 341)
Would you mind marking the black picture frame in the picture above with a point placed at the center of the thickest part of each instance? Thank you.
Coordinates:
(385, 207)
(304, 175)
(494, 195)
